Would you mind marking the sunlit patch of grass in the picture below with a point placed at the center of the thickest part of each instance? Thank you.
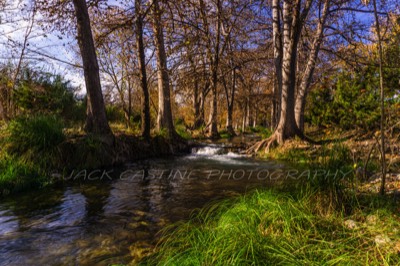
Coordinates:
(121, 128)
(270, 228)
(182, 131)
(224, 134)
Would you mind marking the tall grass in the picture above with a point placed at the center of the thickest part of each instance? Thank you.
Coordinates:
(270, 228)
(17, 175)
(37, 133)
(29, 146)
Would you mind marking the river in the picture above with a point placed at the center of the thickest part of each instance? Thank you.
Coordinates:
(102, 217)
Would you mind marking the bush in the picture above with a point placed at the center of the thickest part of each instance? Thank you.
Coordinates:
(115, 114)
(40, 92)
(349, 102)
(36, 134)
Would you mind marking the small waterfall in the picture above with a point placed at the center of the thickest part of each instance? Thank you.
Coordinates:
(207, 151)
(222, 154)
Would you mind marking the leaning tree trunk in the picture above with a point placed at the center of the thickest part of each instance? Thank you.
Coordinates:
(230, 98)
(277, 39)
(164, 119)
(145, 112)
(96, 120)
(200, 121)
(382, 101)
(308, 74)
(213, 128)
(213, 51)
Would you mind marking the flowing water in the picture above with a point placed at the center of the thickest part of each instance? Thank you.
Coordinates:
(113, 216)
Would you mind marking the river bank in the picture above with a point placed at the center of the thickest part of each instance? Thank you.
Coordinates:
(34, 169)
(328, 219)
(117, 220)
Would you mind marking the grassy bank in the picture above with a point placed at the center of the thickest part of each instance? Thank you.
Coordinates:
(28, 152)
(36, 148)
(272, 228)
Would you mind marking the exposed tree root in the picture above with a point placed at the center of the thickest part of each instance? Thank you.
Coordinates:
(275, 140)
(265, 144)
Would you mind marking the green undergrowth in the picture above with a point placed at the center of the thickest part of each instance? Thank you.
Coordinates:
(17, 175)
(29, 148)
(183, 132)
(277, 228)
(34, 139)
(263, 132)
(332, 164)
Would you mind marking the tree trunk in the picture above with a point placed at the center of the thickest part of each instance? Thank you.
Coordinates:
(164, 119)
(145, 111)
(382, 102)
(308, 74)
(213, 120)
(198, 105)
(213, 127)
(96, 120)
(200, 119)
(292, 26)
(129, 114)
(196, 102)
(229, 121)
(277, 39)
(3, 115)
(244, 118)
(230, 98)
(213, 57)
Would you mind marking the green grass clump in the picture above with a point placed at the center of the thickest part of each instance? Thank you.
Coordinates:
(224, 134)
(17, 175)
(182, 131)
(263, 132)
(268, 228)
(37, 134)
(29, 149)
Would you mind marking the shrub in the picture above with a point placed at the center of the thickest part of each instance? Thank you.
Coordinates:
(349, 102)
(44, 93)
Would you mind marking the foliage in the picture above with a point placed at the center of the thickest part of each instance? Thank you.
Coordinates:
(224, 134)
(269, 228)
(39, 92)
(114, 114)
(349, 102)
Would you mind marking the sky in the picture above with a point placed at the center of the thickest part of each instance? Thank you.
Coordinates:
(43, 48)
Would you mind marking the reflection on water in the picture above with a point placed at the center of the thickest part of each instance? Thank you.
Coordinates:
(103, 221)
